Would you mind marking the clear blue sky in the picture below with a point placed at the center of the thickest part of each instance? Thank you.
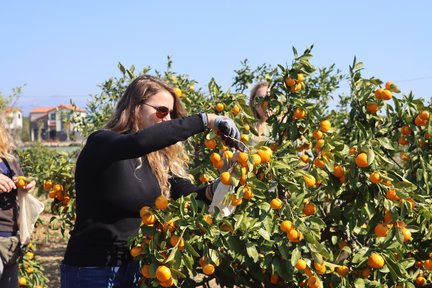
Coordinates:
(65, 49)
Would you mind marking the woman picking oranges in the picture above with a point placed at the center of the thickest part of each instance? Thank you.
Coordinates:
(9, 209)
(137, 157)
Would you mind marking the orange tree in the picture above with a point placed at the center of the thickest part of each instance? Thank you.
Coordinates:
(31, 272)
(53, 172)
(354, 213)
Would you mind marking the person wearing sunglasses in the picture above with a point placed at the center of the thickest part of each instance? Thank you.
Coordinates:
(136, 157)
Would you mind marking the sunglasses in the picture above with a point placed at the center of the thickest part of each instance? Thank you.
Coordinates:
(161, 111)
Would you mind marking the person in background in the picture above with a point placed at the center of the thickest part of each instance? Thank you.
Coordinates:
(9, 209)
(260, 111)
(135, 158)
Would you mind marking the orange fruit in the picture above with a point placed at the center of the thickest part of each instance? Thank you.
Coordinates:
(244, 138)
(202, 261)
(144, 210)
(58, 187)
(304, 158)
(309, 209)
(338, 171)
(219, 164)
(177, 240)
(227, 154)
(375, 177)
(378, 93)
(319, 266)
(381, 230)
(21, 182)
(161, 202)
(220, 107)
(265, 154)
(387, 217)
(300, 264)
(210, 143)
(294, 235)
(276, 203)
(274, 279)
(372, 107)
(406, 234)
(163, 273)
(319, 144)
(148, 218)
(317, 134)
(225, 178)
(403, 141)
(256, 159)
(145, 271)
(392, 195)
(310, 180)
(246, 127)
(247, 193)
(290, 81)
(286, 226)
(375, 261)
(295, 88)
(178, 91)
(209, 269)
(135, 251)
(264, 104)
(325, 125)
(386, 94)
(418, 264)
(208, 218)
(313, 282)
(388, 85)
(424, 115)
(342, 270)
(48, 184)
(236, 109)
(420, 281)
(319, 163)
(243, 158)
(215, 157)
(52, 194)
(168, 283)
(299, 113)
(428, 264)
(362, 160)
(203, 178)
(236, 201)
(300, 77)
(419, 121)
(406, 130)
(22, 281)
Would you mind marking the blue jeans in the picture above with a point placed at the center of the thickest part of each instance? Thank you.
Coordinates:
(8, 273)
(125, 276)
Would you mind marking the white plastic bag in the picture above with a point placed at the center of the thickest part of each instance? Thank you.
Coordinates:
(30, 208)
(220, 201)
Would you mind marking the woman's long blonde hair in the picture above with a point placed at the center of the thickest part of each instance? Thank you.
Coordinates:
(127, 118)
(5, 143)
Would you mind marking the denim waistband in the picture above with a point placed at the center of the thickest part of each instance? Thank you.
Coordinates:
(7, 234)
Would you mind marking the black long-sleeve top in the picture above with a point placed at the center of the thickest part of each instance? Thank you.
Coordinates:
(110, 191)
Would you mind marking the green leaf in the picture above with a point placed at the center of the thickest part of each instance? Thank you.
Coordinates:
(295, 256)
(264, 234)
(370, 156)
(252, 251)
(190, 249)
(359, 283)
